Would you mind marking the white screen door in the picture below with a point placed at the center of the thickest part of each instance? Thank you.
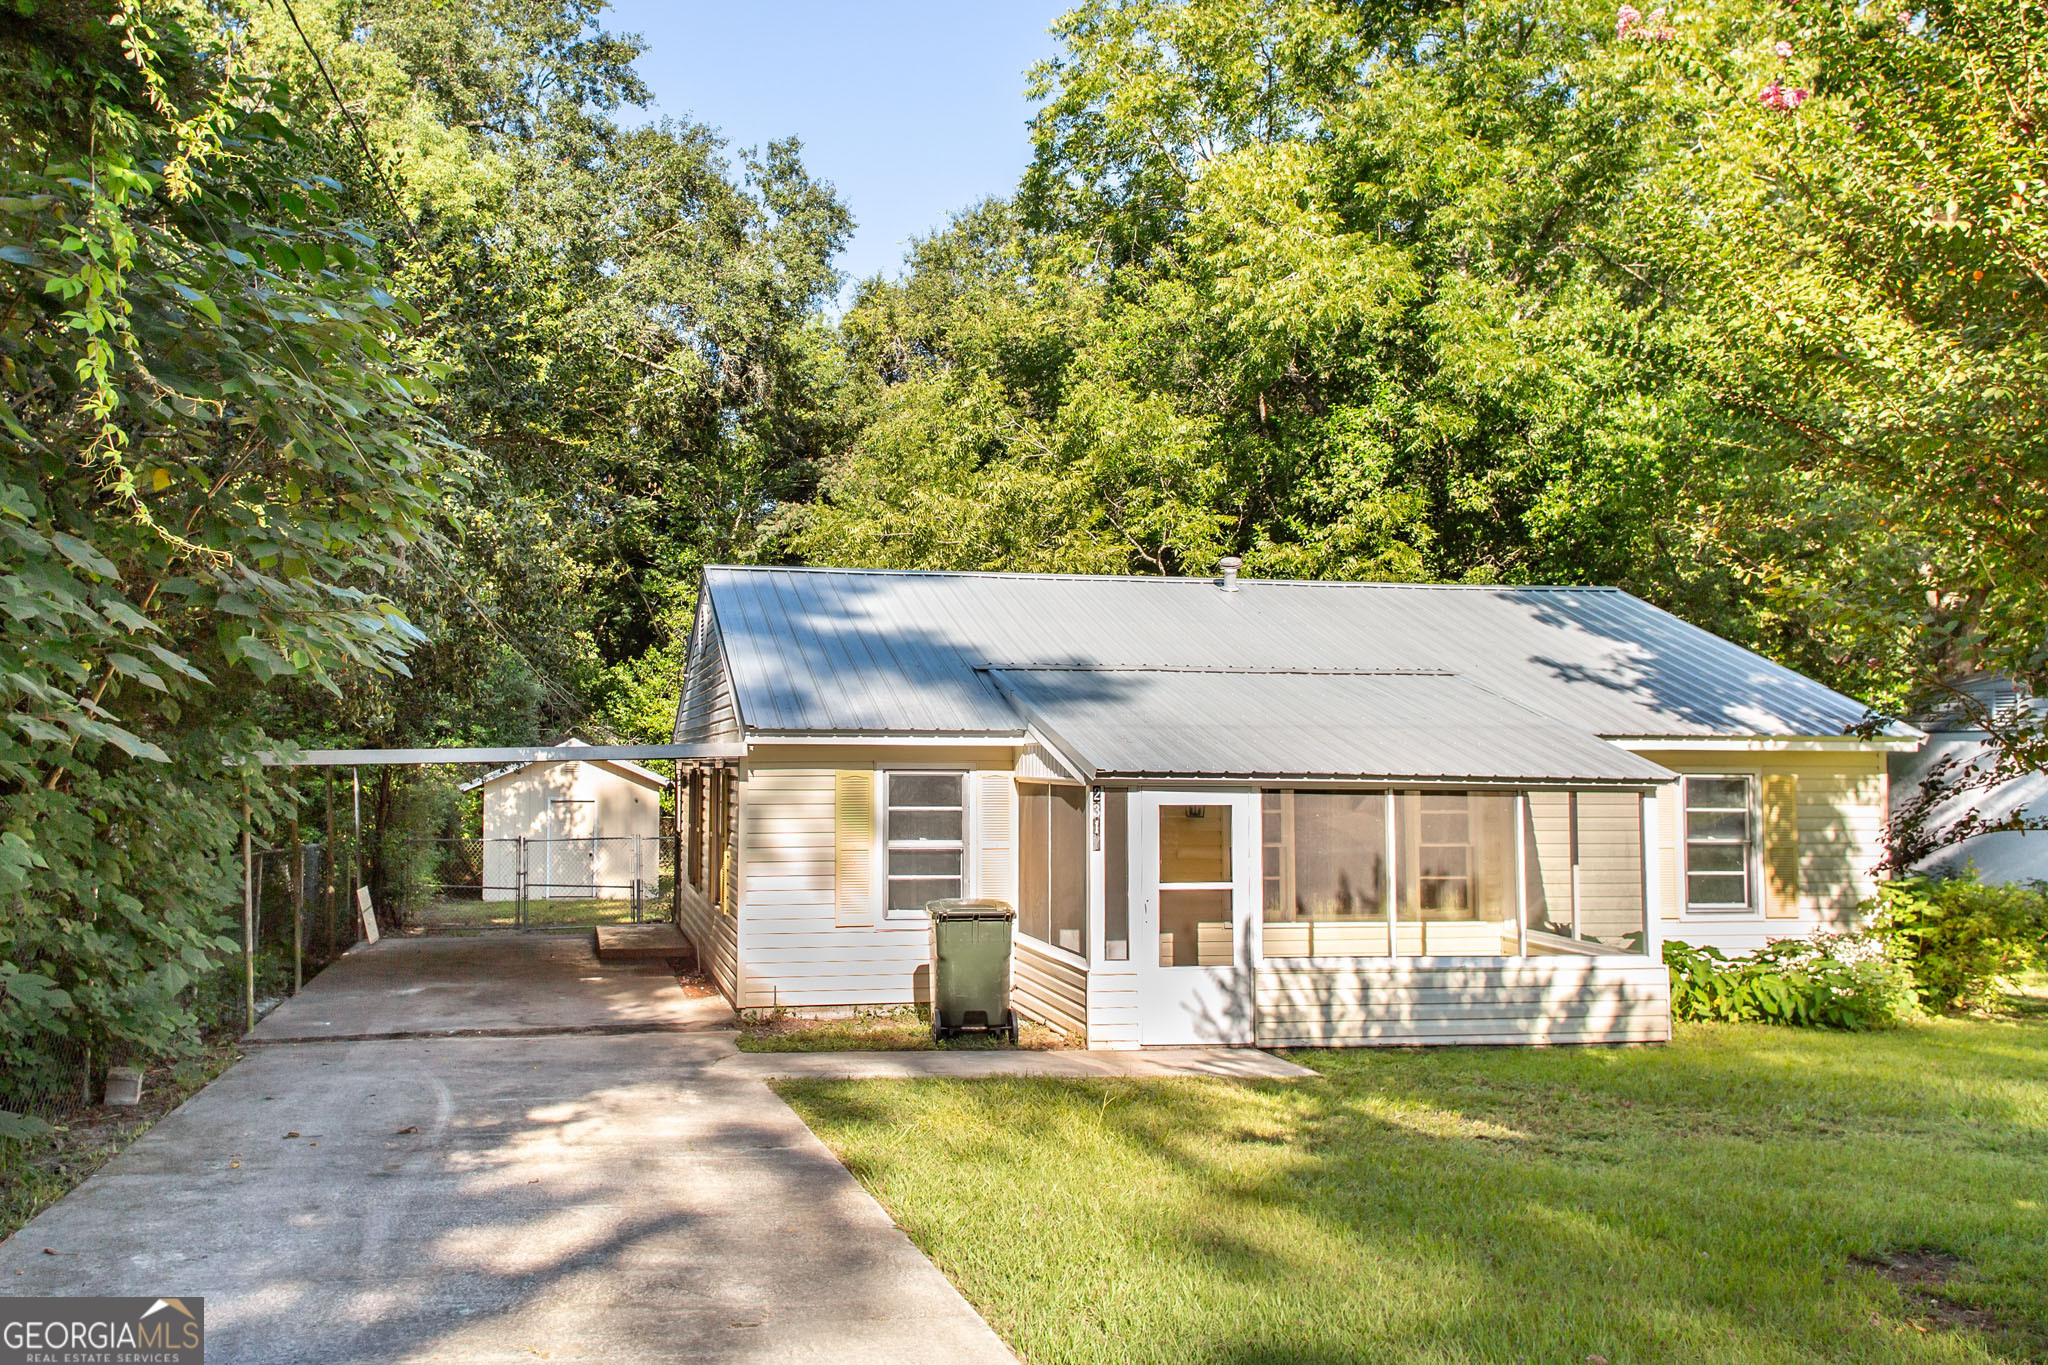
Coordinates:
(1196, 856)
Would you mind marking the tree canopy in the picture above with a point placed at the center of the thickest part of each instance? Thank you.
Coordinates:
(377, 371)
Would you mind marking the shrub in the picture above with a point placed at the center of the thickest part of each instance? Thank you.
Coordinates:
(1844, 981)
(1961, 937)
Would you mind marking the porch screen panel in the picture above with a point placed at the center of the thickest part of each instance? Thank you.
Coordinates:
(1585, 873)
(1034, 887)
(1067, 873)
(695, 824)
(1052, 865)
(1325, 874)
(1455, 853)
(1116, 871)
(1611, 870)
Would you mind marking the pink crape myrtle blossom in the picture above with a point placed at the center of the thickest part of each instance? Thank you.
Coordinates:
(1784, 50)
(1629, 22)
(1776, 96)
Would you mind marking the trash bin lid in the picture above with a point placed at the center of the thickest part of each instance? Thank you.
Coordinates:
(955, 908)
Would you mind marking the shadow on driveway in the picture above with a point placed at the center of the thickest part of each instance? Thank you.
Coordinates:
(574, 1196)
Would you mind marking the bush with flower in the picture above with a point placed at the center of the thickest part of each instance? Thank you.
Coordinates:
(1830, 980)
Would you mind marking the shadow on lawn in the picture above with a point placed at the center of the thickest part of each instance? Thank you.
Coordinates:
(1703, 1202)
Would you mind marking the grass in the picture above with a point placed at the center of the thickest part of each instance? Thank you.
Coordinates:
(895, 1030)
(540, 914)
(36, 1172)
(1745, 1194)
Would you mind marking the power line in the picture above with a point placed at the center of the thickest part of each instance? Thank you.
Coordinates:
(341, 107)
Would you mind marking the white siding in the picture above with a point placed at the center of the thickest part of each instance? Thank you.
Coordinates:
(1533, 1000)
(1050, 988)
(706, 710)
(712, 935)
(1841, 810)
(794, 951)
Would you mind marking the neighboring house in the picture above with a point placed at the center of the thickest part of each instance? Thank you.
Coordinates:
(583, 829)
(1283, 813)
(1956, 731)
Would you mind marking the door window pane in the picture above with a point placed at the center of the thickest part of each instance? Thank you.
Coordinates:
(1194, 844)
(1195, 928)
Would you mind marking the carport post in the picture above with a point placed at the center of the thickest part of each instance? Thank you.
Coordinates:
(519, 880)
(248, 919)
(298, 907)
(355, 852)
(328, 912)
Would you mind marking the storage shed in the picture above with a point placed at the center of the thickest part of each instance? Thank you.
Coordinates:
(571, 831)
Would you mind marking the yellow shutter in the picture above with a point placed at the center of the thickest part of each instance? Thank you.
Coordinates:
(853, 869)
(995, 859)
(1781, 845)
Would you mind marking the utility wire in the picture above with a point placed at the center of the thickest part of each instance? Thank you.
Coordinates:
(341, 107)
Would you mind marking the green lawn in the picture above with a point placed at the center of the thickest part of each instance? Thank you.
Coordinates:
(1706, 1201)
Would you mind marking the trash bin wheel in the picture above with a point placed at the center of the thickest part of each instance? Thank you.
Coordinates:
(938, 1028)
(1010, 1022)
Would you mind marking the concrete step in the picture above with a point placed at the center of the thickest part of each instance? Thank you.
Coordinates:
(642, 943)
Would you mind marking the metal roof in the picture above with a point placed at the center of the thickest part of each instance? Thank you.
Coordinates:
(849, 651)
(1421, 726)
(584, 752)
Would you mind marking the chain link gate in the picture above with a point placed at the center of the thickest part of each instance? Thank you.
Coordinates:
(532, 883)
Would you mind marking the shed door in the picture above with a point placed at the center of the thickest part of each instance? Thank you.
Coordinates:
(1198, 856)
(572, 849)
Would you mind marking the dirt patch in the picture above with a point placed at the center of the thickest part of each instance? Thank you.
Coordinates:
(885, 1030)
(1922, 1276)
(36, 1172)
(695, 983)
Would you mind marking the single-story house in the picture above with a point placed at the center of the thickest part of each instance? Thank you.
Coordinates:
(585, 829)
(1956, 736)
(1238, 812)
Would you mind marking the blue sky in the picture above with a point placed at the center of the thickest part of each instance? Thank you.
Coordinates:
(913, 109)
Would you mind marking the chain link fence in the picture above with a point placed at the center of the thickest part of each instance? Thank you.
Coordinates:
(531, 883)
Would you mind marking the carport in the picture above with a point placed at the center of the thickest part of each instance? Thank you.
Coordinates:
(681, 758)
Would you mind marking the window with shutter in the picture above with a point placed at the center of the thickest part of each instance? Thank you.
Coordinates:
(1720, 843)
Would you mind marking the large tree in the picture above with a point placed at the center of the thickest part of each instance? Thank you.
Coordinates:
(629, 321)
(217, 458)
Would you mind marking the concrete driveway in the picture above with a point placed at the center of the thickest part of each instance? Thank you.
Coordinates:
(520, 1178)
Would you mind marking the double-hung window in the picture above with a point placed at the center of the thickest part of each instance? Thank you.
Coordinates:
(1720, 844)
(924, 828)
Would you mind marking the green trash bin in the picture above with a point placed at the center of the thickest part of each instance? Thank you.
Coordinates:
(971, 967)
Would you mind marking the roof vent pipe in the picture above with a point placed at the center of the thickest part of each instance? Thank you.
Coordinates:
(1230, 564)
